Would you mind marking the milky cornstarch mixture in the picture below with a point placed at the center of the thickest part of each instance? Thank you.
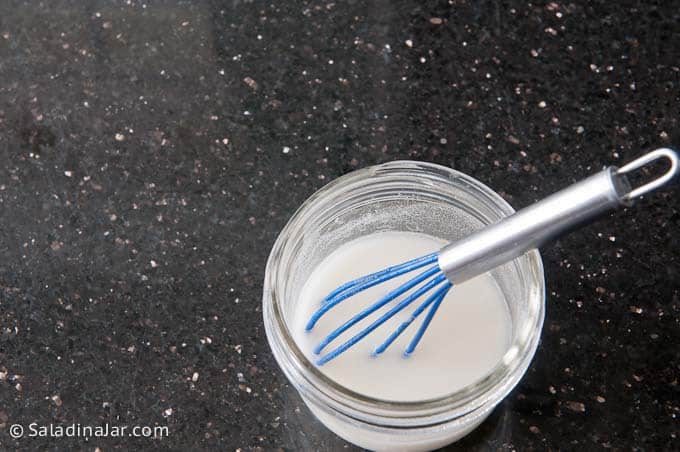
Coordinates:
(467, 337)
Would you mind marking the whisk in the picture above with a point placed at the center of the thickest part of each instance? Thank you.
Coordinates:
(485, 249)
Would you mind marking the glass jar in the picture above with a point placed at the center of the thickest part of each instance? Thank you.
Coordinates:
(398, 196)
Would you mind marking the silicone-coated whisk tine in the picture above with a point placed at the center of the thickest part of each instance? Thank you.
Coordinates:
(428, 318)
(375, 306)
(382, 319)
(435, 298)
(382, 275)
(325, 307)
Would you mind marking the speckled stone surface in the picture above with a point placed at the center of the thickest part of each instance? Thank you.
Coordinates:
(152, 152)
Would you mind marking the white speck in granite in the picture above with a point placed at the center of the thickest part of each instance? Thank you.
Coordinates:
(577, 407)
(542, 104)
(600, 399)
(580, 130)
(119, 137)
(238, 348)
(225, 141)
(423, 59)
(56, 399)
(68, 173)
(250, 82)
(167, 413)
(409, 43)
(153, 263)
(436, 20)
(194, 377)
(286, 150)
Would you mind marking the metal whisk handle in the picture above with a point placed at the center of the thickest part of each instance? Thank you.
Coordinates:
(549, 218)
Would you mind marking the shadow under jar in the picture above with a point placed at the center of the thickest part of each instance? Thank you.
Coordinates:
(398, 196)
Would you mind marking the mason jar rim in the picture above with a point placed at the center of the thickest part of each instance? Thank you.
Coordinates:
(316, 386)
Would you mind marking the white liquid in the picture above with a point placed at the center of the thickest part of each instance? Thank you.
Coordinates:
(467, 337)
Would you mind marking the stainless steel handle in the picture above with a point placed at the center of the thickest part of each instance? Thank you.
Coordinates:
(549, 218)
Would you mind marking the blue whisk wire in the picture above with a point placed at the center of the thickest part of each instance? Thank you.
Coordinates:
(431, 279)
(428, 318)
(358, 285)
(382, 319)
(435, 298)
(375, 306)
(383, 275)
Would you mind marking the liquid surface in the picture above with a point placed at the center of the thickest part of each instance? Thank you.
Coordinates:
(467, 337)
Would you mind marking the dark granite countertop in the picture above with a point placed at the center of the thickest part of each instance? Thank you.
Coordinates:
(153, 151)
